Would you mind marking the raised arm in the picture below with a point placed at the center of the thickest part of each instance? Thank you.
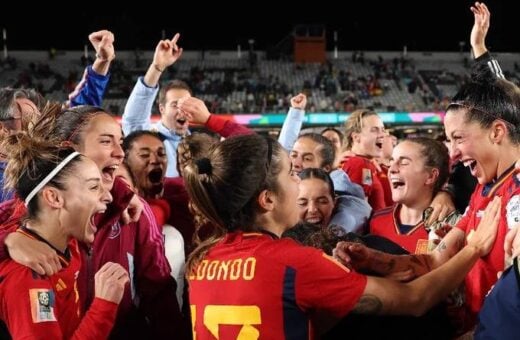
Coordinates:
(292, 124)
(91, 88)
(166, 54)
(138, 109)
(480, 28)
(482, 17)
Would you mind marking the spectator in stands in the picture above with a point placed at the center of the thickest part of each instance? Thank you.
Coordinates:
(63, 192)
(246, 188)
(173, 125)
(312, 150)
(482, 125)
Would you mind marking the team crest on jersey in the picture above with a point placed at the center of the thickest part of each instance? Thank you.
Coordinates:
(42, 305)
(115, 231)
(367, 177)
(513, 211)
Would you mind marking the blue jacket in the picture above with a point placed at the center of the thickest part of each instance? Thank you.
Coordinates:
(137, 116)
(89, 91)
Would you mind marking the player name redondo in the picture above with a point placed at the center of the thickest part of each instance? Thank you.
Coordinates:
(231, 270)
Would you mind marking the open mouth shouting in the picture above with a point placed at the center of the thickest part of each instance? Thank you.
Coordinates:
(155, 176)
(397, 183)
(108, 173)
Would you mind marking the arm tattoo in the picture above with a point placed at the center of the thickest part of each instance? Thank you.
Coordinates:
(442, 247)
(368, 304)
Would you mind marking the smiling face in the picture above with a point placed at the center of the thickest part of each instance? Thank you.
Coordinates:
(101, 142)
(147, 161)
(369, 141)
(171, 117)
(410, 179)
(84, 197)
(315, 201)
(471, 145)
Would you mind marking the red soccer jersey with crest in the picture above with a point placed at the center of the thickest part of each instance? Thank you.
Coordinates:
(360, 170)
(37, 307)
(483, 275)
(385, 222)
(252, 285)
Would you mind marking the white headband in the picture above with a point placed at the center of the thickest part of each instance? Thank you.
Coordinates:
(49, 177)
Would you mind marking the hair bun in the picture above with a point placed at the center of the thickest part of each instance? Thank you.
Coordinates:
(204, 166)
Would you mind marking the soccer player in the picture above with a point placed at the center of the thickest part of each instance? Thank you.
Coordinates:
(62, 191)
(245, 282)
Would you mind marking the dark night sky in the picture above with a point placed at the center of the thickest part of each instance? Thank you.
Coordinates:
(434, 25)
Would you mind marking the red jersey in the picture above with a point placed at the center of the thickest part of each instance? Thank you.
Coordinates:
(251, 285)
(483, 275)
(149, 306)
(362, 171)
(386, 223)
(385, 183)
(181, 217)
(37, 307)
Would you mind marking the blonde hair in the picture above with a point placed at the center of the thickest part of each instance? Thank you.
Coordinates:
(354, 124)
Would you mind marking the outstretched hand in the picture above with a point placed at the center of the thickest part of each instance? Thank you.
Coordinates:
(352, 255)
(194, 109)
(480, 28)
(483, 238)
(32, 253)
